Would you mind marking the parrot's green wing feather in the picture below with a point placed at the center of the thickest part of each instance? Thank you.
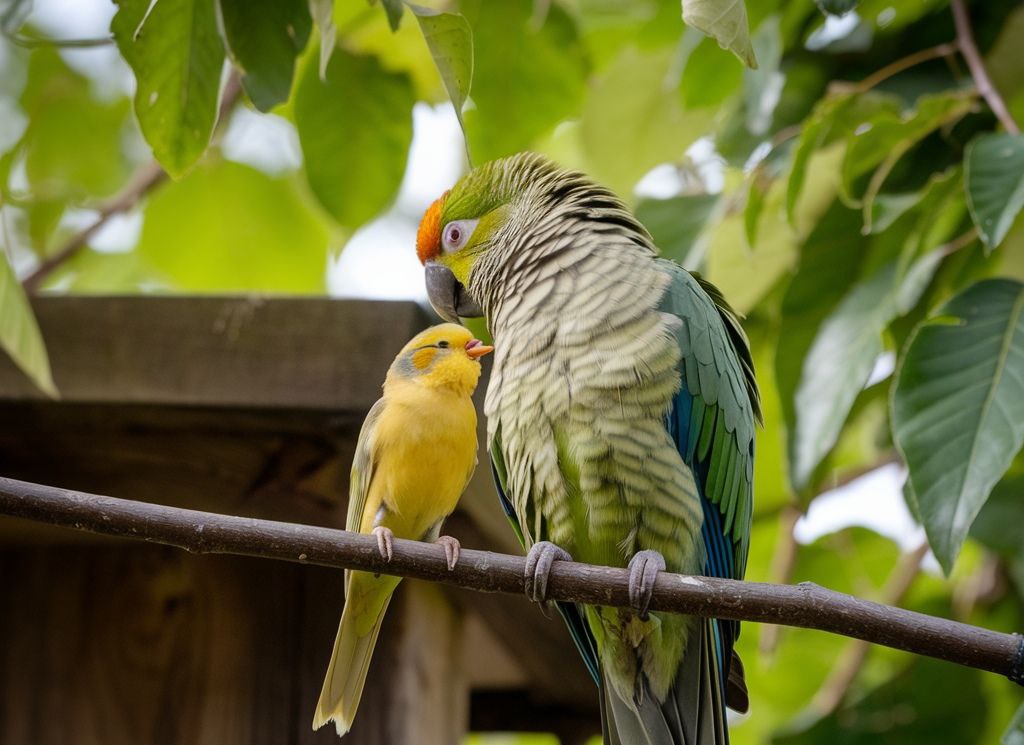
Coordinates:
(571, 613)
(715, 411)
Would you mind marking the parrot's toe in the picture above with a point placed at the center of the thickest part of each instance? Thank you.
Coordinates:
(451, 549)
(538, 567)
(385, 542)
(643, 570)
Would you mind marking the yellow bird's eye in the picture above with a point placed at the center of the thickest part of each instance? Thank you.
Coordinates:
(443, 344)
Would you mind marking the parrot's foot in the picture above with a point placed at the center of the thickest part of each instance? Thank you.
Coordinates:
(385, 541)
(538, 567)
(643, 570)
(451, 549)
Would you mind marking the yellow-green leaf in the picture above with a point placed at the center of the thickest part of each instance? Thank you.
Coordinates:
(355, 127)
(726, 22)
(994, 181)
(264, 37)
(177, 57)
(19, 332)
(450, 40)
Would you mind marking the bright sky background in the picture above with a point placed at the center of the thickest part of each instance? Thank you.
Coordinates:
(379, 261)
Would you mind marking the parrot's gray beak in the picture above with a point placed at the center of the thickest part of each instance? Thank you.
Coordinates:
(448, 296)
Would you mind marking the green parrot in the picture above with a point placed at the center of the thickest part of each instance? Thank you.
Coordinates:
(620, 415)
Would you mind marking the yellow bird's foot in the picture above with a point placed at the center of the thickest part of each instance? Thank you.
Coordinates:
(385, 542)
(643, 570)
(451, 549)
(538, 567)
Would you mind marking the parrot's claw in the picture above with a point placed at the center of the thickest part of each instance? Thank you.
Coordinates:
(451, 549)
(385, 542)
(643, 570)
(538, 567)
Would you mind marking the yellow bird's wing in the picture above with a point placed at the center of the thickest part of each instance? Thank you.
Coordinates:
(364, 466)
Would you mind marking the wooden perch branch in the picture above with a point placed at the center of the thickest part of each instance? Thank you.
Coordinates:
(806, 605)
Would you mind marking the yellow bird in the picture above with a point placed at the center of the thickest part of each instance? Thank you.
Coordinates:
(415, 455)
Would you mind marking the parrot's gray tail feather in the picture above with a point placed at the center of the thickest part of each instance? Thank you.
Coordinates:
(693, 712)
(736, 696)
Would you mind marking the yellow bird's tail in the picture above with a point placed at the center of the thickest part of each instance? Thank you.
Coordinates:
(367, 600)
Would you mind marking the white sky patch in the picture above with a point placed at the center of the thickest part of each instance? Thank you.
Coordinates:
(264, 141)
(380, 259)
(661, 182)
(119, 234)
(12, 123)
(834, 29)
(86, 19)
(665, 181)
(873, 501)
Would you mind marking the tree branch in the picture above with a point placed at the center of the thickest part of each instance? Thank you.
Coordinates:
(965, 40)
(783, 564)
(806, 605)
(144, 181)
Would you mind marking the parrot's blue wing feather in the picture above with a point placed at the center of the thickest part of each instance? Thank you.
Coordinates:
(570, 612)
(712, 423)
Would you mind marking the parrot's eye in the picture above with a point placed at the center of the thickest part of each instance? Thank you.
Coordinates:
(443, 344)
(456, 234)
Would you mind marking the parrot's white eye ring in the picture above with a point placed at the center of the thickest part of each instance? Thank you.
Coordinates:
(456, 234)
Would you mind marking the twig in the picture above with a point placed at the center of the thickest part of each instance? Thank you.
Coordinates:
(783, 563)
(895, 68)
(27, 42)
(805, 605)
(143, 181)
(961, 241)
(969, 50)
(835, 687)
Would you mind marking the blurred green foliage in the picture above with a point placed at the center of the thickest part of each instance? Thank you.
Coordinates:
(852, 194)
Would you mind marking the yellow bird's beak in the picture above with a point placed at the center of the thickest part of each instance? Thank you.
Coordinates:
(477, 349)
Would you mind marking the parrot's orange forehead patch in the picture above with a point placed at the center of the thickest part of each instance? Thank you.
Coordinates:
(428, 237)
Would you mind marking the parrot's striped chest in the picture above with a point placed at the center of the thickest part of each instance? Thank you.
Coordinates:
(584, 377)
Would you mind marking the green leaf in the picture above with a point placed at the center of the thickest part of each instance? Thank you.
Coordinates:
(177, 57)
(1003, 58)
(676, 223)
(726, 22)
(263, 38)
(355, 127)
(450, 40)
(633, 120)
(709, 78)
(929, 702)
(73, 142)
(885, 137)
(830, 260)
(535, 75)
(994, 182)
(762, 85)
(19, 332)
(836, 7)
(840, 360)
(833, 117)
(999, 521)
(322, 13)
(1014, 734)
(393, 9)
(958, 407)
(231, 228)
